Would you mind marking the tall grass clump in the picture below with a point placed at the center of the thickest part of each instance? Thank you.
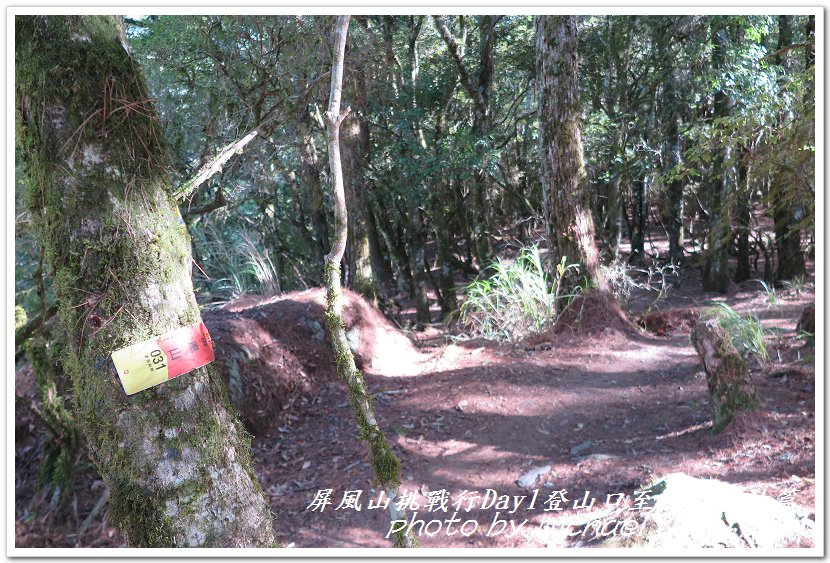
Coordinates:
(513, 299)
(744, 332)
(234, 264)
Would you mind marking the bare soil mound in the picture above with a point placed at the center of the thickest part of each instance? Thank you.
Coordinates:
(273, 349)
(669, 322)
(591, 313)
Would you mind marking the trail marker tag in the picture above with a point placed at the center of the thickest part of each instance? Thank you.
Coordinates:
(146, 364)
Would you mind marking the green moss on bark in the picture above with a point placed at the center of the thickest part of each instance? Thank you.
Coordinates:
(175, 458)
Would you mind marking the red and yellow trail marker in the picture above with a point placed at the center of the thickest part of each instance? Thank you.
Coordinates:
(164, 357)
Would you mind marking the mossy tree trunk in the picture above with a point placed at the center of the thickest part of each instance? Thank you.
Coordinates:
(384, 461)
(727, 374)
(564, 183)
(175, 459)
(722, 183)
(356, 147)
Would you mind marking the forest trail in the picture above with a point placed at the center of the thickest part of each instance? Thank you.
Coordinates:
(607, 412)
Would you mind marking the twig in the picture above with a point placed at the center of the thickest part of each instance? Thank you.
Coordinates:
(95, 510)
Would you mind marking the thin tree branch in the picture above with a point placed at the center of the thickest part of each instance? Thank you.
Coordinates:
(452, 47)
(214, 166)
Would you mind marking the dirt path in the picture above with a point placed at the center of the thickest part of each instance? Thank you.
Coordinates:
(606, 412)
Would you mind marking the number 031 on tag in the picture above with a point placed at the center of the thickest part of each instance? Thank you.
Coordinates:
(162, 358)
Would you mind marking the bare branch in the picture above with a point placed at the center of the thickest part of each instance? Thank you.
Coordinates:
(452, 47)
(214, 166)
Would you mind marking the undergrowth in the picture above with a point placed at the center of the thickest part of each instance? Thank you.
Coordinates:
(233, 265)
(514, 299)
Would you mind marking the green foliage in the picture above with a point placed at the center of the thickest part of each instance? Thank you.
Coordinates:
(513, 300)
(63, 443)
(744, 332)
(772, 296)
(796, 286)
(20, 317)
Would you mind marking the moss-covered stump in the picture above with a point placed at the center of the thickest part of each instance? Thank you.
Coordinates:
(727, 373)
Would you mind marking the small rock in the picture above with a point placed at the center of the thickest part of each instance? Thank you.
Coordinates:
(529, 479)
(581, 447)
(595, 457)
(468, 434)
(461, 405)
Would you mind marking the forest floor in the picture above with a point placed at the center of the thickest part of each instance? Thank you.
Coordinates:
(607, 412)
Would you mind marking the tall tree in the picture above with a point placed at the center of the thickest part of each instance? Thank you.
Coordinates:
(175, 458)
(384, 460)
(480, 88)
(787, 234)
(564, 183)
(723, 176)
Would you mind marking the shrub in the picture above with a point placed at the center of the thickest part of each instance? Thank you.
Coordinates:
(513, 299)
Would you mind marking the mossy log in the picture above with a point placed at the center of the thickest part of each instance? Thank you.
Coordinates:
(727, 374)
(175, 458)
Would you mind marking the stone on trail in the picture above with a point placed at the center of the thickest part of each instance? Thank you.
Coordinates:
(703, 513)
(529, 479)
(576, 450)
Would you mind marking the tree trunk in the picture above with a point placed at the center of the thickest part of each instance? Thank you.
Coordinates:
(674, 189)
(440, 199)
(420, 277)
(787, 235)
(722, 185)
(564, 184)
(381, 271)
(639, 219)
(311, 184)
(384, 460)
(479, 91)
(356, 146)
(176, 461)
(481, 128)
(742, 269)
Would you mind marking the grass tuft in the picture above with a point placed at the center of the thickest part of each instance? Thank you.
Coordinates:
(745, 333)
(514, 299)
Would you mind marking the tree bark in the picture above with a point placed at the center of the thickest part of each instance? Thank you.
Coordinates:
(787, 235)
(176, 460)
(311, 184)
(356, 145)
(722, 185)
(564, 183)
(384, 460)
